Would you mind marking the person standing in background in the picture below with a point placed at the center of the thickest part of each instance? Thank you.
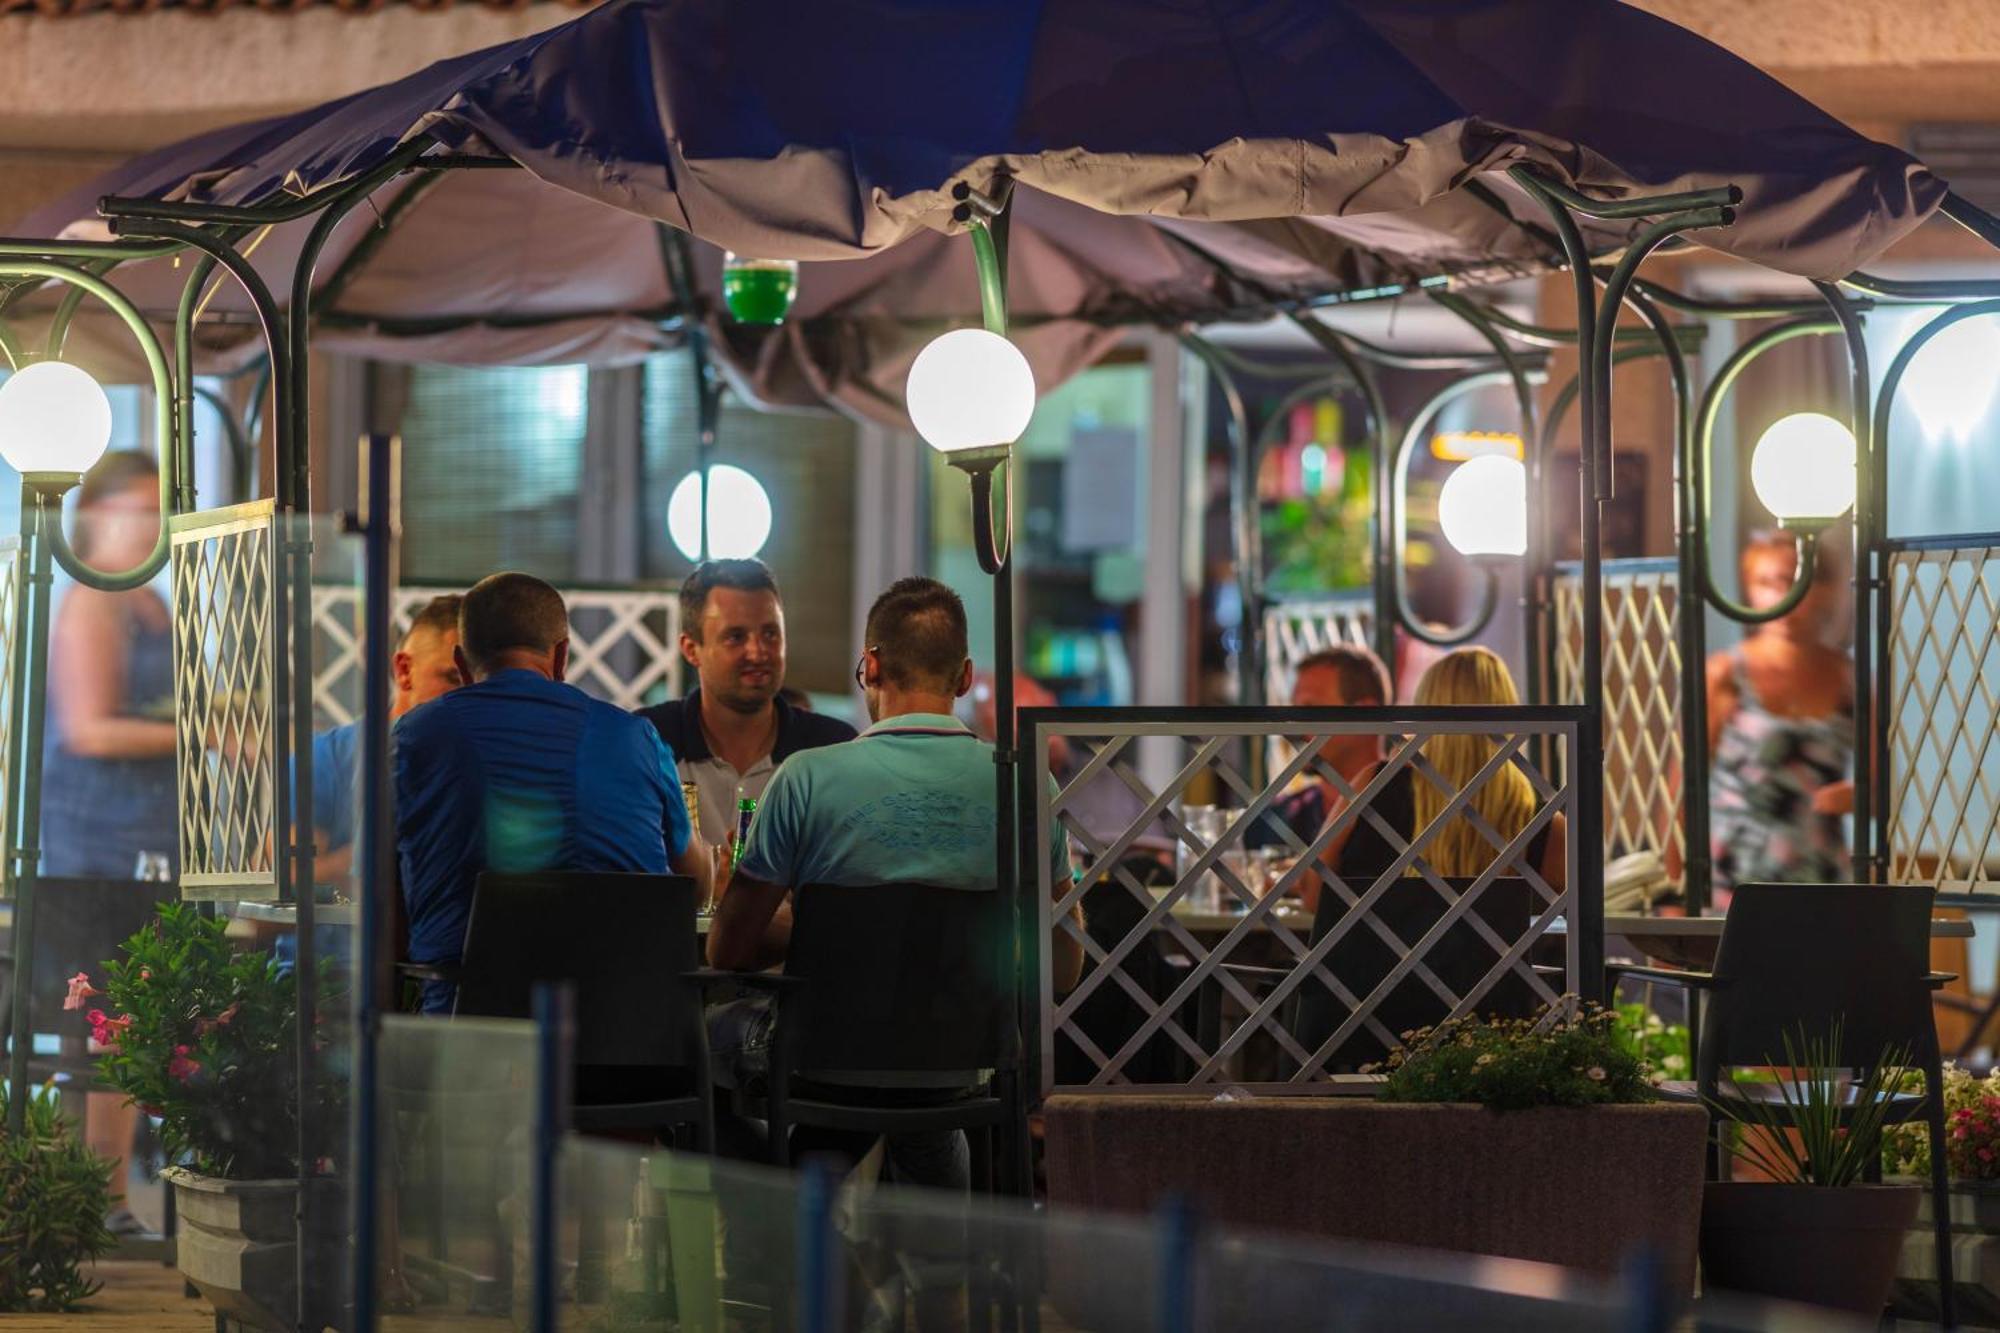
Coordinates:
(108, 798)
(730, 734)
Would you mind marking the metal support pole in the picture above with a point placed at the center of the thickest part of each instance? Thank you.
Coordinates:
(378, 881)
(1247, 523)
(677, 259)
(1178, 1257)
(31, 671)
(819, 1269)
(1395, 485)
(554, 1015)
(1867, 584)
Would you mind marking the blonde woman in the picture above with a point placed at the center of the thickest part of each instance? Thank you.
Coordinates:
(1410, 803)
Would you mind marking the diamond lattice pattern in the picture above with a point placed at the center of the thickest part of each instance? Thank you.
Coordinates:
(223, 638)
(1174, 910)
(623, 646)
(1943, 672)
(1642, 691)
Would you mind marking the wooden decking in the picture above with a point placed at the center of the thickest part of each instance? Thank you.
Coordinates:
(138, 1297)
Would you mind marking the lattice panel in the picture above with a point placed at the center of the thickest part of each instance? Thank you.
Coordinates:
(1943, 669)
(1296, 630)
(1168, 955)
(1642, 699)
(623, 649)
(224, 636)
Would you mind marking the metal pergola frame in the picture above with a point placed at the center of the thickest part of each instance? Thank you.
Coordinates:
(1603, 287)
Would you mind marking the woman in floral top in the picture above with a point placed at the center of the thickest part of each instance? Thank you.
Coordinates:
(1781, 732)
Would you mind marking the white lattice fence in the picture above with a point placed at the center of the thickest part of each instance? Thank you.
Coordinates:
(1294, 631)
(1943, 716)
(623, 646)
(223, 570)
(1642, 699)
(1183, 1010)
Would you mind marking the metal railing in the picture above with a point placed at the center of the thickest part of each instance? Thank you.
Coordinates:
(1941, 691)
(1156, 943)
(1642, 698)
(223, 563)
(624, 645)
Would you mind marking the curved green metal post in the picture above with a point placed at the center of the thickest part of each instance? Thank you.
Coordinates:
(1247, 522)
(1395, 483)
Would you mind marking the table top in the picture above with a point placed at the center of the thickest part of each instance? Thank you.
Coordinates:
(1635, 928)
(285, 916)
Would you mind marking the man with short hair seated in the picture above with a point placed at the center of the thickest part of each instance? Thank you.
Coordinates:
(518, 772)
(910, 801)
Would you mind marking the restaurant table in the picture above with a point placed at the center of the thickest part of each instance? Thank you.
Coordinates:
(1690, 941)
(285, 916)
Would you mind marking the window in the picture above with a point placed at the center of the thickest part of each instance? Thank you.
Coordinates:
(492, 464)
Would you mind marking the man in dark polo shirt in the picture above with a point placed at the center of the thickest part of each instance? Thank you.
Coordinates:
(733, 731)
(518, 772)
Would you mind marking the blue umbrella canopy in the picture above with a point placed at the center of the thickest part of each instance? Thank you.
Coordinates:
(1171, 160)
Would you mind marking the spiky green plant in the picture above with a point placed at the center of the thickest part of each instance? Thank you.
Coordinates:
(53, 1195)
(1804, 1140)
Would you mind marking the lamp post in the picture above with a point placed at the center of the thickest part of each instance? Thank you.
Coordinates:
(55, 423)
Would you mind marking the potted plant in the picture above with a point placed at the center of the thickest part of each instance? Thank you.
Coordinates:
(53, 1195)
(204, 1038)
(1813, 1231)
(1533, 1139)
(1972, 1156)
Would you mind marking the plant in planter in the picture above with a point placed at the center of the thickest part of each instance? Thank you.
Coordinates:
(1571, 1057)
(53, 1195)
(1972, 1156)
(204, 1038)
(1662, 1045)
(1814, 1232)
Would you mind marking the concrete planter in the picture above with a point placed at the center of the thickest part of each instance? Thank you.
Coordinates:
(238, 1244)
(1583, 1188)
(1975, 1257)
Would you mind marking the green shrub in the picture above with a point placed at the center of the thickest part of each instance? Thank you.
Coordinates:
(53, 1195)
(1821, 1129)
(1565, 1056)
(1662, 1045)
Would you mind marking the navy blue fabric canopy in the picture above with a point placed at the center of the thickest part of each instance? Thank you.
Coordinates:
(1173, 160)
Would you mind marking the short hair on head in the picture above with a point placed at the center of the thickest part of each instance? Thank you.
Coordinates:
(750, 575)
(918, 627)
(507, 611)
(437, 616)
(1829, 562)
(1363, 679)
(114, 472)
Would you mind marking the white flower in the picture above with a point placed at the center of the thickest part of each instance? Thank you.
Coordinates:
(1595, 1073)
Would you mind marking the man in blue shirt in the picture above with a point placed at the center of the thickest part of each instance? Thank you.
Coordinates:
(518, 772)
(425, 668)
(910, 801)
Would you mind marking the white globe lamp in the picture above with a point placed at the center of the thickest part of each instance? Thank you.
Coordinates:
(1803, 470)
(1950, 382)
(739, 514)
(970, 389)
(1483, 507)
(54, 420)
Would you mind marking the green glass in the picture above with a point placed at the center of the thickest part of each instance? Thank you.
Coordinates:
(759, 291)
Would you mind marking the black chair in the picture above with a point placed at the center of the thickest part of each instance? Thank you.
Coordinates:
(1805, 956)
(1361, 960)
(624, 943)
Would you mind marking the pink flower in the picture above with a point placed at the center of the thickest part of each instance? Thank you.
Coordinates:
(181, 1067)
(1985, 1154)
(80, 990)
(205, 1026)
(145, 974)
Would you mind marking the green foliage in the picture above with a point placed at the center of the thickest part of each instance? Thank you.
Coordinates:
(1565, 1056)
(53, 1195)
(1663, 1046)
(205, 1038)
(1906, 1149)
(1802, 1140)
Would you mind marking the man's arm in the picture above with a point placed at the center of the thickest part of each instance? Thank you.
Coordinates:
(694, 862)
(752, 926)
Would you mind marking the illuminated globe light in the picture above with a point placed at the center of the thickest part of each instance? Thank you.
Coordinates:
(53, 418)
(1483, 506)
(739, 514)
(1949, 383)
(970, 389)
(1803, 468)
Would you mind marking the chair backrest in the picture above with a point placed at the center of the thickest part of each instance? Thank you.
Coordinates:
(1460, 959)
(622, 941)
(905, 978)
(1796, 956)
(79, 926)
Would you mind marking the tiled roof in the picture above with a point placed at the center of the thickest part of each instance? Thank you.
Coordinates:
(62, 8)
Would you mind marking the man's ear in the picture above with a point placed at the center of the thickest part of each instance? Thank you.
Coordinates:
(559, 660)
(690, 649)
(464, 665)
(964, 680)
(401, 664)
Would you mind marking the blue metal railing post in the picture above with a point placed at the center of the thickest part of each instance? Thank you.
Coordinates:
(1174, 1280)
(553, 1006)
(818, 1273)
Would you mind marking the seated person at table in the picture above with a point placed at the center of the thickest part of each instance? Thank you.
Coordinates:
(911, 801)
(1344, 676)
(425, 668)
(518, 772)
(737, 726)
(1507, 801)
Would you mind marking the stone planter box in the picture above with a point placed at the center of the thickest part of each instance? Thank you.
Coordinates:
(1582, 1188)
(238, 1244)
(1975, 1257)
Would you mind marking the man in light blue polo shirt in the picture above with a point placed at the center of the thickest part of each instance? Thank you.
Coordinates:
(519, 772)
(910, 801)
